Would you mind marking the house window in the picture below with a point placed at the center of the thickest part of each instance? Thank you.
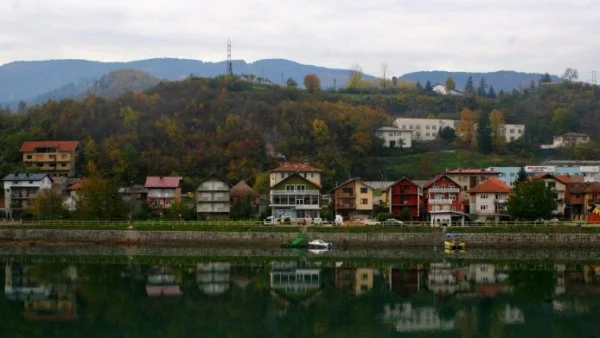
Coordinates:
(364, 190)
(512, 131)
(300, 187)
(418, 134)
(426, 134)
(289, 187)
(282, 175)
(483, 207)
(364, 201)
(464, 187)
(552, 185)
(299, 201)
(427, 127)
(434, 127)
(29, 157)
(484, 196)
(418, 127)
(364, 276)
(347, 191)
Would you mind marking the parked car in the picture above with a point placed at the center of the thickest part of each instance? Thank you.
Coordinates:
(371, 222)
(393, 221)
(269, 220)
(318, 221)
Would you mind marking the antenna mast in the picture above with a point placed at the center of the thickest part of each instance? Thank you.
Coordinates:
(229, 65)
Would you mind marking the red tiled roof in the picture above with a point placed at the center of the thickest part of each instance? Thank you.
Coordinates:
(162, 181)
(403, 179)
(61, 145)
(594, 187)
(242, 189)
(295, 167)
(472, 171)
(74, 186)
(437, 178)
(564, 179)
(493, 185)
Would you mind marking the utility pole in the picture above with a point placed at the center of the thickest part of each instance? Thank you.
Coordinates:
(594, 77)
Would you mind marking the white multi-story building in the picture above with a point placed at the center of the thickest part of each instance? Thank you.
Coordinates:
(21, 188)
(423, 129)
(428, 129)
(488, 199)
(567, 140)
(394, 137)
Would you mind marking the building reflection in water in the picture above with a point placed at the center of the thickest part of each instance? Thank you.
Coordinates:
(42, 299)
(213, 278)
(162, 281)
(359, 280)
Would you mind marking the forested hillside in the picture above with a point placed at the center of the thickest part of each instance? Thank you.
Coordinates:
(241, 129)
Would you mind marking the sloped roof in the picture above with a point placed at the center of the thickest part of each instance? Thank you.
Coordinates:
(470, 171)
(594, 187)
(437, 178)
(242, 189)
(295, 167)
(564, 179)
(492, 185)
(61, 145)
(578, 188)
(215, 176)
(25, 177)
(298, 175)
(351, 180)
(403, 179)
(162, 181)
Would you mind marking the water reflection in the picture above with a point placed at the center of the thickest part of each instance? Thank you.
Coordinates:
(291, 298)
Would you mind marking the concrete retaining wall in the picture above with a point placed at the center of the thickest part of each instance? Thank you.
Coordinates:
(267, 238)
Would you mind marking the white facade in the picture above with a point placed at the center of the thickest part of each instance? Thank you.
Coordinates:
(443, 90)
(567, 140)
(513, 132)
(423, 129)
(212, 198)
(428, 129)
(395, 137)
(560, 189)
(406, 318)
(485, 204)
(20, 189)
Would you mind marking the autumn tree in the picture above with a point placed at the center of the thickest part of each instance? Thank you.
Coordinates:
(47, 204)
(355, 78)
(98, 199)
(312, 83)
(497, 129)
(450, 84)
(466, 125)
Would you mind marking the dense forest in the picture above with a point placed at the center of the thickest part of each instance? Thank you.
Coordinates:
(241, 128)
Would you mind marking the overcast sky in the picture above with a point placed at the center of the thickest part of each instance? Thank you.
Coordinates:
(410, 35)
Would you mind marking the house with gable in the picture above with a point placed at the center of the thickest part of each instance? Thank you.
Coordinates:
(295, 190)
(443, 201)
(163, 191)
(20, 189)
(56, 158)
(558, 183)
(488, 200)
(405, 194)
(212, 198)
(353, 198)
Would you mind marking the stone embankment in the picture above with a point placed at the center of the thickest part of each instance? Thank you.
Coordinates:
(343, 239)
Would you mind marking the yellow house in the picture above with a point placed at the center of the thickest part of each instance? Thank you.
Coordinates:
(57, 158)
(353, 198)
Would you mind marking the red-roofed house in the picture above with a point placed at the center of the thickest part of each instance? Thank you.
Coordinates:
(470, 178)
(287, 168)
(487, 200)
(56, 158)
(295, 197)
(443, 200)
(163, 191)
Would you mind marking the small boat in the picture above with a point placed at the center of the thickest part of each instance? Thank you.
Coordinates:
(454, 242)
(319, 244)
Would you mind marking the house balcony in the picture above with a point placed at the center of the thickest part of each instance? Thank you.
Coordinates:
(161, 194)
(344, 205)
(294, 192)
(215, 199)
(444, 190)
(441, 201)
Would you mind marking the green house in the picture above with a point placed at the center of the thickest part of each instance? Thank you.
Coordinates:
(295, 197)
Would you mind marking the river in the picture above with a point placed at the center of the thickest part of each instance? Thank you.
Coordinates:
(94, 291)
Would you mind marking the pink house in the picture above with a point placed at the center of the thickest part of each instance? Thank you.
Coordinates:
(163, 191)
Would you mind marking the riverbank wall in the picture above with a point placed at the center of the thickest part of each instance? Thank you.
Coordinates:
(340, 239)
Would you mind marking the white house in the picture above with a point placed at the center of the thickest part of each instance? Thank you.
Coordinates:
(443, 90)
(423, 129)
(20, 189)
(394, 137)
(488, 199)
(428, 129)
(559, 184)
(567, 140)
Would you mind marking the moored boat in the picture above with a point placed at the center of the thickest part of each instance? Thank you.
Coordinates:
(454, 241)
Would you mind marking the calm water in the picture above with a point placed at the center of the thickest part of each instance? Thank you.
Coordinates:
(296, 297)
